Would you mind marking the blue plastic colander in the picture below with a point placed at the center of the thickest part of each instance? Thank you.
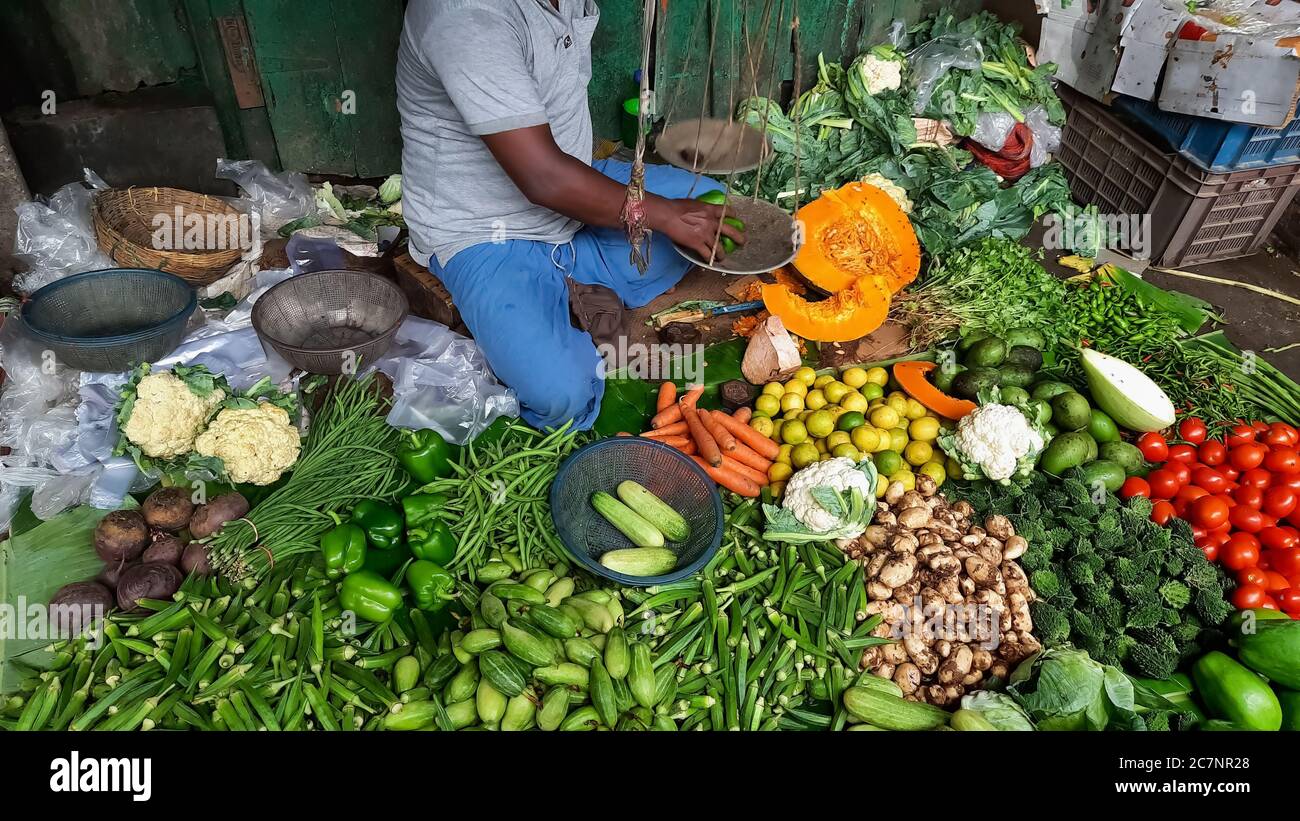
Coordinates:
(665, 472)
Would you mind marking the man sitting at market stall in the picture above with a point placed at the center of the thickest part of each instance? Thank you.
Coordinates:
(505, 205)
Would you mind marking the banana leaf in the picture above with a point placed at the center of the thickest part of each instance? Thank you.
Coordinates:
(33, 566)
(1190, 311)
(629, 402)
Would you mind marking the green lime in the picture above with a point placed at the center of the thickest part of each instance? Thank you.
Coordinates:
(871, 391)
(888, 462)
(850, 420)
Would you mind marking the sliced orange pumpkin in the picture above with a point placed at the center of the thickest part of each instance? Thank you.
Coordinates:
(854, 231)
(852, 313)
(911, 378)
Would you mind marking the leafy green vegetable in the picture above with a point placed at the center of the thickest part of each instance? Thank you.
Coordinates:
(1064, 689)
(1000, 709)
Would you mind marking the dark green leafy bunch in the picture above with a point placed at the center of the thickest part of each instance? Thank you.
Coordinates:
(1109, 580)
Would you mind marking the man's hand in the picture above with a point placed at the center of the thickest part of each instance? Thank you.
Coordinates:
(692, 224)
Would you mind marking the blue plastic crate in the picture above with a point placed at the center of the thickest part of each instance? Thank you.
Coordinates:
(1216, 145)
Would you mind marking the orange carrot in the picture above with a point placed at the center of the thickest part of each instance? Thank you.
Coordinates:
(667, 417)
(622, 433)
(758, 477)
(689, 448)
(674, 441)
(693, 394)
(746, 456)
(667, 395)
(743, 415)
(730, 479)
(675, 429)
(758, 442)
(708, 447)
(720, 434)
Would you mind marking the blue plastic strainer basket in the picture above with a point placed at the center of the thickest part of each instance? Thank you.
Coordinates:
(665, 472)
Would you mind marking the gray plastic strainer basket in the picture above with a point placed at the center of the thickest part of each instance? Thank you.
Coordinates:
(326, 320)
(665, 472)
(107, 321)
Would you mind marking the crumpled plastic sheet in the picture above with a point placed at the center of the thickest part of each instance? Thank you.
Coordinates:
(933, 58)
(278, 198)
(56, 239)
(1254, 17)
(993, 127)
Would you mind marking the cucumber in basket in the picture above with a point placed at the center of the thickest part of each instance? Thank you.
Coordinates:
(629, 523)
(640, 561)
(654, 510)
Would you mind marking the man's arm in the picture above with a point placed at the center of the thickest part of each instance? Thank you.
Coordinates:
(553, 179)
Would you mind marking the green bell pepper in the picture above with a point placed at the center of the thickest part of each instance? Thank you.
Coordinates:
(431, 585)
(386, 562)
(422, 507)
(426, 455)
(382, 523)
(432, 542)
(370, 596)
(344, 548)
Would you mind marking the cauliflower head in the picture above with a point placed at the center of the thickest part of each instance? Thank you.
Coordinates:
(256, 445)
(839, 474)
(895, 191)
(881, 74)
(994, 442)
(167, 416)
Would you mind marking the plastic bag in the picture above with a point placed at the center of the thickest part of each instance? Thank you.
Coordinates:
(56, 239)
(442, 381)
(932, 59)
(278, 198)
(992, 129)
(1047, 137)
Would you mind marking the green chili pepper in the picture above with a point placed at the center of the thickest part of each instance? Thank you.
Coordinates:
(344, 548)
(422, 507)
(433, 542)
(432, 585)
(370, 596)
(715, 197)
(382, 523)
(426, 455)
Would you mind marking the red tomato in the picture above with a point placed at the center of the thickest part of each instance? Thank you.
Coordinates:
(1210, 549)
(1192, 430)
(1240, 435)
(1260, 426)
(1135, 486)
(1291, 480)
(1268, 603)
(1190, 493)
(1247, 456)
(1276, 582)
(1286, 562)
(1282, 460)
(1249, 596)
(1238, 553)
(1279, 501)
(1249, 496)
(1255, 477)
(1180, 471)
(1212, 453)
(1266, 520)
(1246, 518)
(1229, 471)
(1275, 538)
(1209, 512)
(1209, 479)
(1253, 575)
(1161, 511)
(1288, 600)
(1153, 446)
(1280, 433)
(1163, 484)
(1182, 453)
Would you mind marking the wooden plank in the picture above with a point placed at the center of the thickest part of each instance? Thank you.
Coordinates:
(754, 51)
(828, 28)
(615, 56)
(367, 33)
(682, 59)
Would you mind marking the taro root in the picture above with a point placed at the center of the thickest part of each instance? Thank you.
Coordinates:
(111, 573)
(150, 580)
(168, 509)
(121, 536)
(209, 518)
(77, 606)
(166, 548)
(680, 333)
(736, 394)
(195, 559)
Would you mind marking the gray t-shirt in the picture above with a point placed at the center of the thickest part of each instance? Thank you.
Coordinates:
(466, 68)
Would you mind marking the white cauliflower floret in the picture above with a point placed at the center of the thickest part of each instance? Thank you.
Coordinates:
(167, 416)
(881, 74)
(997, 439)
(895, 191)
(838, 474)
(256, 444)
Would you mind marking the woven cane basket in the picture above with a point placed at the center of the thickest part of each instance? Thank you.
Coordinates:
(125, 222)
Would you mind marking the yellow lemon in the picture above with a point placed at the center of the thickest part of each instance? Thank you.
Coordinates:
(918, 453)
(884, 417)
(779, 472)
(767, 405)
(825, 457)
(865, 438)
(886, 441)
(837, 438)
(815, 399)
(793, 413)
(806, 375)
(898, 402)
(915, 410)
(776, 488)
(925, 429)
(897, 439)
(820, 423)
(777, 424)
(820, 444)
(836, 411)
(882, 484)
(783, 453)
(878, 376)
(847, 451)
(792, 401)
(774, 389)
(794, 432)
(794, 386)
(907, 477)
(835, 391)
(804, 454)
(854, 377)
(936, 471)
(823, 380)
(762, 424)
(855, 402)
(953, 467)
